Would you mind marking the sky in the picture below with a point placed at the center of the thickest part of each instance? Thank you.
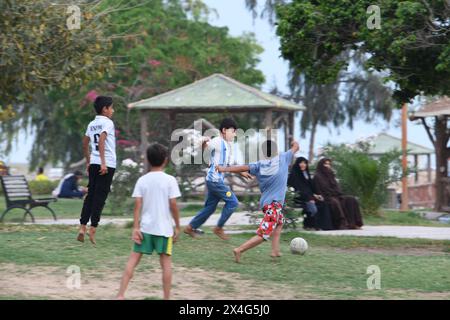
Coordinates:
(234, 15)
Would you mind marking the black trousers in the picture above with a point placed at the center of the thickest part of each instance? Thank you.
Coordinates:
(98, 189)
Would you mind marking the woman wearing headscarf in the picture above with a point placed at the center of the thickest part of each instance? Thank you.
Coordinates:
(317, 215)
(345, 212)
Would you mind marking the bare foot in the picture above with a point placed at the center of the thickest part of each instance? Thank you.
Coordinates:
(220, 233)
(237, 255)
(91, 235)
(81, 233)
(80, 237)
(276, 255)
(190, 231)
(120, 298)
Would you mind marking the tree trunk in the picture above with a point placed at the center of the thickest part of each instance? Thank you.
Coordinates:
(312, 141)
(441, 164)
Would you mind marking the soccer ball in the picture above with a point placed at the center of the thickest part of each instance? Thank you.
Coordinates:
(299, 246)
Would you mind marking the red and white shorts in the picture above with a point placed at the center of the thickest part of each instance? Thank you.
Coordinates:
(273, 216)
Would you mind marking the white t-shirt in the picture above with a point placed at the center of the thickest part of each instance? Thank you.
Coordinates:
(221, 153)
(95, 128)
(155, 189)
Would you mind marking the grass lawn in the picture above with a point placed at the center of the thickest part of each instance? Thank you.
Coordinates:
(391, 217)
(71, 208)
(333, 268)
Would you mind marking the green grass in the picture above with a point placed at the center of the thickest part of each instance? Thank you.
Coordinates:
(71, 208)
(411, 218)
(334, 266)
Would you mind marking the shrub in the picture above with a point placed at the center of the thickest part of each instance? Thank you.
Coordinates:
(365, 177)
(42, 187)
(122, 187)
(292, 213)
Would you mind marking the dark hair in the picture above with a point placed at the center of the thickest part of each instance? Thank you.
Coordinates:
(40, 170)
(227, 123)
(296, 173)
(78, 173)
(101, 102)
(156, 154)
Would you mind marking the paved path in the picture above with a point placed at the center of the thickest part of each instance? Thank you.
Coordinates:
(240, 218)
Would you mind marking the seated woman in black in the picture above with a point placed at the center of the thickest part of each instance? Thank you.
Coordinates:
(316, 212)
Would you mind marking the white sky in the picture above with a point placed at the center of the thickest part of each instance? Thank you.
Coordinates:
(234, 15)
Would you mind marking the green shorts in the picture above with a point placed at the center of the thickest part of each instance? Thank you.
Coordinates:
(151, 242)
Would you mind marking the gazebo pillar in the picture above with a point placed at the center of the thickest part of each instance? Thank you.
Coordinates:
(172, 123)
(291, 124)
(144, 138)
(268, 119)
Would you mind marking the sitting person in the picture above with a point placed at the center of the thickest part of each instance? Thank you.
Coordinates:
(316, 211)
(41, 176)
(345, 212)
(69, 188)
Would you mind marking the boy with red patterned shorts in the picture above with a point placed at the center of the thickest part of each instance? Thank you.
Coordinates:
(272, 174)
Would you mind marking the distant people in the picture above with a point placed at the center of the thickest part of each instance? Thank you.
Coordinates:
(3, 169)
(345, 211)
(41, 176)
(316, 211)
(69, 187)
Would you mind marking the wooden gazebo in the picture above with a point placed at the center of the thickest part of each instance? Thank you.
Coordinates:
(439, 134)
(383, 143)
(218, 94)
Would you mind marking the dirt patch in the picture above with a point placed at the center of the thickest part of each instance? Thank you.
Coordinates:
(190, 284)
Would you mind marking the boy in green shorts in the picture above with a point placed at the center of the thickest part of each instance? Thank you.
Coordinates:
(156, 205)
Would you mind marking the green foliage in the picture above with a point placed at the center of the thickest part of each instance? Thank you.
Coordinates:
(38, 51)
(124, 180)
(363, 176)
(156, 48)
(40, 187)
(412, 44)
(292, 213)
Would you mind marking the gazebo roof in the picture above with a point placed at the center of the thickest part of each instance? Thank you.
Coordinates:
(213, 93)
(383, 143)
(440, 107)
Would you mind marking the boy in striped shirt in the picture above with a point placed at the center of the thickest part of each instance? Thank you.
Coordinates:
(220, 149)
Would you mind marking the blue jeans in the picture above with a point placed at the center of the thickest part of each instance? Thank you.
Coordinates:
(311, 208)
(216, 191)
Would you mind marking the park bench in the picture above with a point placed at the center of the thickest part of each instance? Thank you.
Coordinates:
(18, 196)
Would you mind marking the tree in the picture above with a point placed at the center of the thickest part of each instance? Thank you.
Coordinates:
(355, 94)
(38, 51)
(412, 43)
(159, 49)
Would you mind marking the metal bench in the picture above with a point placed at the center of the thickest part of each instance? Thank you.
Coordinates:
(18, 196)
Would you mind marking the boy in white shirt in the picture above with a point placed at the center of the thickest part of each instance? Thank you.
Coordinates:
(156, 205)
(101, 164)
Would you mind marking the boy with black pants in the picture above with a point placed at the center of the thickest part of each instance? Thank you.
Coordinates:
(101, 164)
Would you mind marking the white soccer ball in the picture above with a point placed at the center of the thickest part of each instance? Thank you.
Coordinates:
(299, 246)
